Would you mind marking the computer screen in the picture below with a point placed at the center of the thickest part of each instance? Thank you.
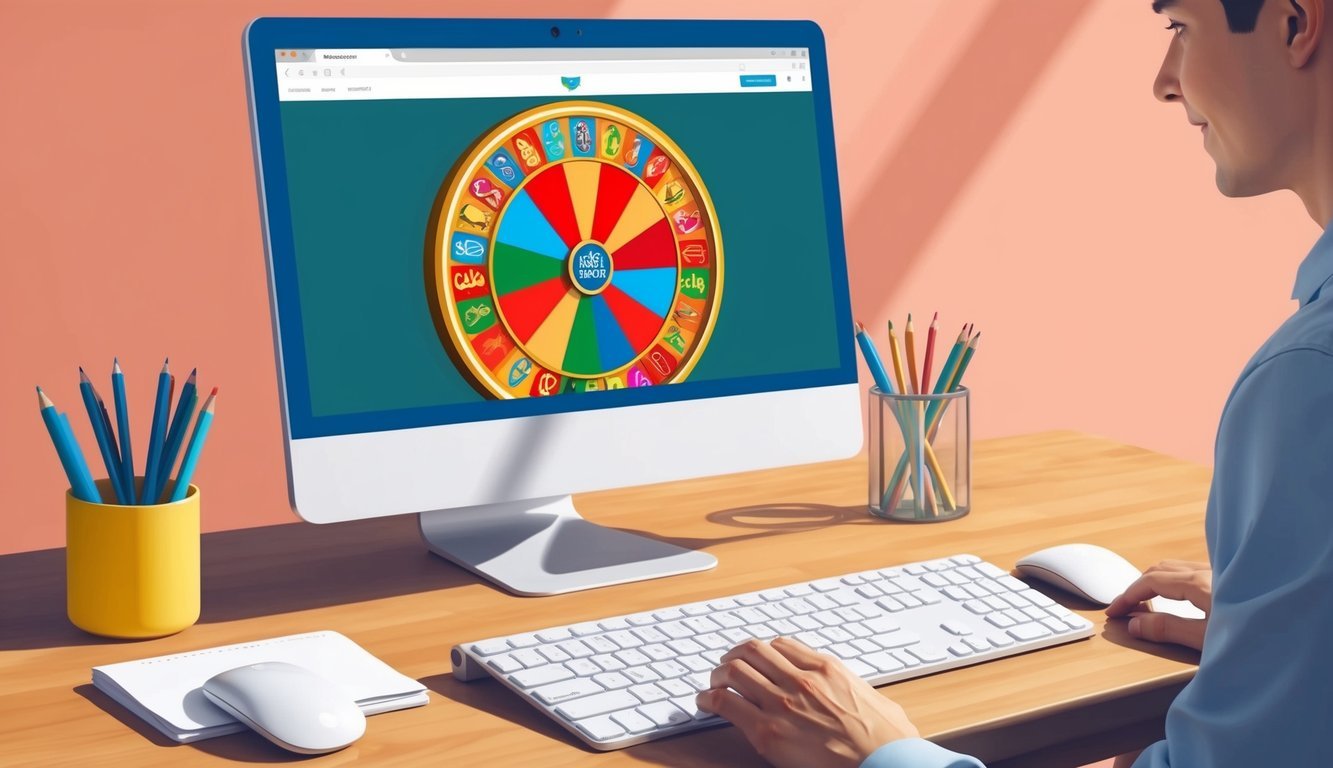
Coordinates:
(489, 233)
(508, 265)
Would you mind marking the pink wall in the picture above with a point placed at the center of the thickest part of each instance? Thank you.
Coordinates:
(1002, 161)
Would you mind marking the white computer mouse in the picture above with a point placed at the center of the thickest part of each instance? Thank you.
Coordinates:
(1096, 574)
(289, 705)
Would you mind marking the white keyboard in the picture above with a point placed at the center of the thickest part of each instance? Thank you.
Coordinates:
(630, 679)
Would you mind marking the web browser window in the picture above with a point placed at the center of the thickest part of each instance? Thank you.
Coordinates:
(578, 227)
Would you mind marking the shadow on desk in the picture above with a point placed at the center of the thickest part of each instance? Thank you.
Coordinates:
(299, 566)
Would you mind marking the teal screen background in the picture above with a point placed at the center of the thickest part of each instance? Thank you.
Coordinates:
(363, 176)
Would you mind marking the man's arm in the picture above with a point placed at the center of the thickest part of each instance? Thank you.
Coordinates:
(1263, 693)
(918, 753)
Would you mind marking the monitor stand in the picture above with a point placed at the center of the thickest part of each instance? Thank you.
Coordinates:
(544, 547)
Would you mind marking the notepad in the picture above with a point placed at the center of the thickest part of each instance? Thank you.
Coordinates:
(166, 691)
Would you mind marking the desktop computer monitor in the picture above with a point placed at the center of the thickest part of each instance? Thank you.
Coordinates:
(513, 260)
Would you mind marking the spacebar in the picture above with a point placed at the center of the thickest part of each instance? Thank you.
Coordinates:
(598, 704)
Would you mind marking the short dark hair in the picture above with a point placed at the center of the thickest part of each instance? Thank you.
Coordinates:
(1242, 15)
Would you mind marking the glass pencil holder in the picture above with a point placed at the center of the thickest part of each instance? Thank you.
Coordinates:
(920, 456)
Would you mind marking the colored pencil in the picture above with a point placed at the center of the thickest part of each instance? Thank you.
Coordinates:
(157, 434)
(930, 353)
(897, 360)
(123, 430)
(176, 433)
(67, 450)
(873, 361)
(101, 431)
(909, 336)
(196, 445)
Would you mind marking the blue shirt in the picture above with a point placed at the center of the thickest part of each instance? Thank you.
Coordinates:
(1263, 694)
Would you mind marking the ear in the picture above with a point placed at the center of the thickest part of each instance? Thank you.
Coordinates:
(1304, 22)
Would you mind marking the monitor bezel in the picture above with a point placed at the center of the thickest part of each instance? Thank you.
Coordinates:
(265, 35)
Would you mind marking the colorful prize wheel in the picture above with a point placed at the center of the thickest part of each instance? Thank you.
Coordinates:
(575, 249)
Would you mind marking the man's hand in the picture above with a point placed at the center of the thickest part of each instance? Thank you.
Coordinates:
(1174, 579)
(802, 708)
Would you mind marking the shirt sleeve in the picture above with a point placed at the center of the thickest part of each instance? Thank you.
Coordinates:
(918, 753)
(1261, 695)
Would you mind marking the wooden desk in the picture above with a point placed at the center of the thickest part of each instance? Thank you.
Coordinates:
(373, 581)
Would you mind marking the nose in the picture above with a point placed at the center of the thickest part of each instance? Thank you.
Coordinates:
(1167, 85)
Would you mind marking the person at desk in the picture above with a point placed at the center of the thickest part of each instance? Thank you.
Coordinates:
(1257, 76)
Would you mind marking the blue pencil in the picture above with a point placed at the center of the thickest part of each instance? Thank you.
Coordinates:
(71, 458)
(123, 429)
(105, 442)
(176, 434)
(156, 434)
(196, 445)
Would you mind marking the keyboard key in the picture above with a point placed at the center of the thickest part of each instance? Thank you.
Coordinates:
(1000, 640)
(723, 605)
(632, 721)
(822, 602)
(575, 648)
(712, 641)
(883, 624)
(990, 570)
(665, 713)
(856, 629)
(505, 663)
(526, 640)
(1075, 622)
(975, 591)
(1000, 620)
(928, 653)
(889, 604)
(669, 614)
(675, 630)
(491, 647)
(798, 606)
(585, 629)
(844, 651)
(956, 593)
(648, 693)
(699, 680)
(965, 559)
(825, 585)
(728, 620)
(531, 678)
(612, 680)
(773, 595)
(977, 607)
(907, 659)
(668, 668)
(529, 658)
(582, 667)
(640, 619)
(775, 611)
(784, 627)
(957, 578)
(909, 599)
(698, 663)
(956, 628)
(610, 625)
(869, 591)
(865, 646)
(640, 674)
(553, 653)
(960, 650)
(1055, 625)
(808, 623)
(702, 624)
(658, 652)
(812, 639)
(1035, 613)
(689, 707)
(1011, 583)
(996, 603)
(601, 728)
(696, 609)
(882, 662)
(749, 599)
(601, 644)
(553, 635)
(860, 668)
(597, 704)
(736, 636)
(1014, 599)
(916, 569)
(844, 597)
(1035, 597)
(976, 643)
(799, 590)
(1025, 632)
(936, 580)
(624, 639)
(712, 657)
(675, 687)
(762, 632)
(687, 646)
(649, 635)
(576, 688)
(608, 662)
(632, 657)
(835, 634)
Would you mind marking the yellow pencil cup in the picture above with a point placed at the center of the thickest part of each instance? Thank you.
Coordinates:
(132, 571)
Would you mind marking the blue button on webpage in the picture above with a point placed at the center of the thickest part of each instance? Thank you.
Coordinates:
(759, 81)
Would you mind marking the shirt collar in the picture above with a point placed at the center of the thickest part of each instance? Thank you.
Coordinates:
(1316, 270)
